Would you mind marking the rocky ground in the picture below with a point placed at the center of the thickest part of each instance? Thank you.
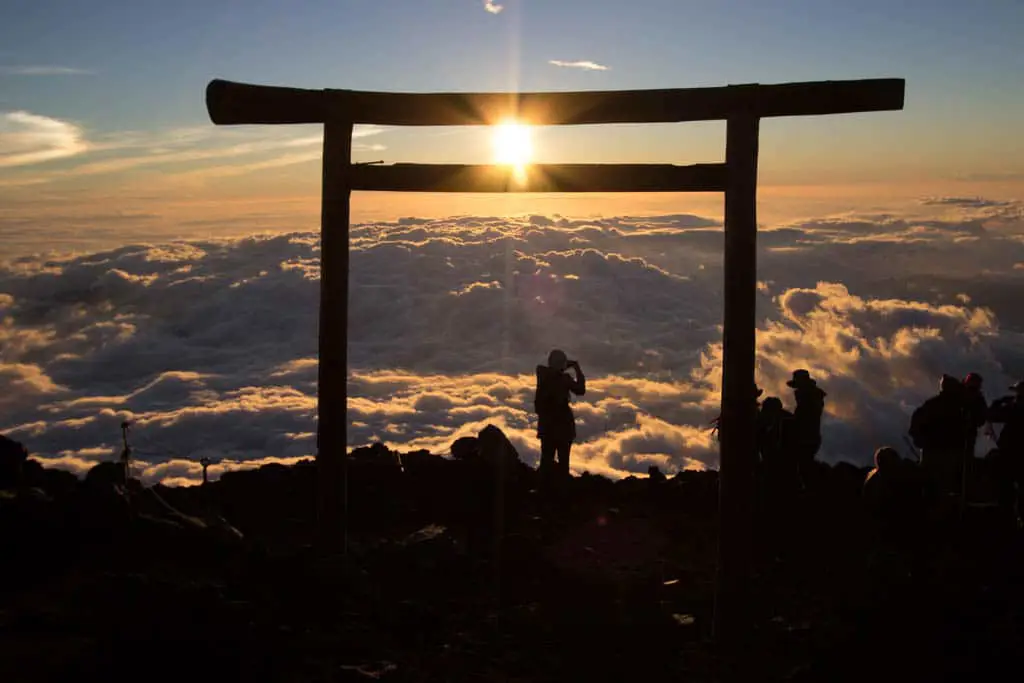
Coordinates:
(600, 580)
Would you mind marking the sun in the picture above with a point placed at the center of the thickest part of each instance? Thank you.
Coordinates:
(512, 144)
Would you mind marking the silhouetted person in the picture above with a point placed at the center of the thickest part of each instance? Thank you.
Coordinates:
(556, 425)
(774, 432)
(939, 428)
(892, 490)
(810, 405)
(1009, 411)
(894, 499)
(975, 409)
(716, 424)
(779, 473)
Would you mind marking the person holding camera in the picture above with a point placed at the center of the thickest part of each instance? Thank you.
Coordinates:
(556, 424)
(1009, 411)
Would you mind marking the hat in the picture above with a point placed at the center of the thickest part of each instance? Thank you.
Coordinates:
(1017, 386)
(801, 378)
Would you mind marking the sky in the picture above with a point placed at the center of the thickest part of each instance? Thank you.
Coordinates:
(102, 111)
(160, 269)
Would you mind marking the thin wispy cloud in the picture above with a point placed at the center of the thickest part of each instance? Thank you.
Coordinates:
(493, 7)
(366, 130)
(40, 139)
(229, 170)
(43, 70)
(967, 202)
(586, 65)
(27, 138)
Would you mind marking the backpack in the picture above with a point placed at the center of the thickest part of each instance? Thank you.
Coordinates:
(546, 400)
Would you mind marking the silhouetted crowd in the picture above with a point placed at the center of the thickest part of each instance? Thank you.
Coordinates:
(943, 435)
(788, 441)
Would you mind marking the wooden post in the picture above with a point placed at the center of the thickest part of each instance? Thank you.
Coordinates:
(332, 375)
(739, 415)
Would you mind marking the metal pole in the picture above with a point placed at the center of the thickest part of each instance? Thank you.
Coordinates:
(126, 453)
(739, 413)
(332, 377)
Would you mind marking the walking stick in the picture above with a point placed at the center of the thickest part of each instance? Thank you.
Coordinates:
(913, 449)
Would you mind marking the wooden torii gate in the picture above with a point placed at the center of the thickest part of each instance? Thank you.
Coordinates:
(741, 106)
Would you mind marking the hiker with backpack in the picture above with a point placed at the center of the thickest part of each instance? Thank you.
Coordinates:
(940, 427)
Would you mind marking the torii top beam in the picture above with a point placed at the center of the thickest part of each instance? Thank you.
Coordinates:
(239, 103)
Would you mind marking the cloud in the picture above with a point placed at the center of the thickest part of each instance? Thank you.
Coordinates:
(969, 202)
(273, 162)
(493, 7)
(209, 346)
(366, 130)
(27, 138)
(43, 71)
(587, 65)
(173, 151)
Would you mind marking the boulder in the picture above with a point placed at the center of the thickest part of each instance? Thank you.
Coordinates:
(466, 448)
(418, 461)
(105, 473)
(57, 483)
(374, 454)
(13, 455)
(499, 455)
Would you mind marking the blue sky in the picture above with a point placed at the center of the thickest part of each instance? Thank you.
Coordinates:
(113, 70)
(150, 58)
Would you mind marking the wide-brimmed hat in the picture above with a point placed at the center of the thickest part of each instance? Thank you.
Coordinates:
(801, 378)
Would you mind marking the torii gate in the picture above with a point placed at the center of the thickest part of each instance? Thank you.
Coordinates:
(741, 106)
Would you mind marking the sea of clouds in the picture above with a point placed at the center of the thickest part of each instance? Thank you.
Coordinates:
(209, 347)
